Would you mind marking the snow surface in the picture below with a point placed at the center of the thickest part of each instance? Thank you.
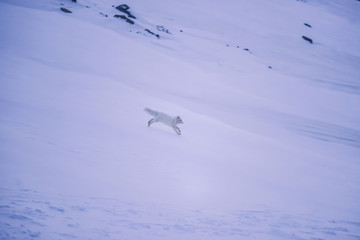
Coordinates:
(270, 144)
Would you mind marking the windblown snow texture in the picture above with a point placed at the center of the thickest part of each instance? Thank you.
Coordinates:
(270, 143)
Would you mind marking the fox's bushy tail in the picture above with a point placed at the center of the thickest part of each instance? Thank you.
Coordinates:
(151, 112)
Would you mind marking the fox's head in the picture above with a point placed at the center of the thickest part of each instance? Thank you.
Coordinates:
(178, 120)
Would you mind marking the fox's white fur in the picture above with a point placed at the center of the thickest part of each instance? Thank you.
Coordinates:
(164, 118)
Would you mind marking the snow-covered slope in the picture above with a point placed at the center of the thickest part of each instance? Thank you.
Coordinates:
(270, 143)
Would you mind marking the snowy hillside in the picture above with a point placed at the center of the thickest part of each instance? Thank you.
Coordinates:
(269, 92)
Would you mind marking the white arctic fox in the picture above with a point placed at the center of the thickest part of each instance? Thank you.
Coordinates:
(164, 118)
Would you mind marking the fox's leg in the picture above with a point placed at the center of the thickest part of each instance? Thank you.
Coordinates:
(177, 130)
(151, 121)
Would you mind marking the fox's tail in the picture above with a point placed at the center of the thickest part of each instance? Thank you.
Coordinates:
(151, 112)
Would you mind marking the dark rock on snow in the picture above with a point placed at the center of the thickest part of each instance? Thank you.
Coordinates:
(120, 16)
(308, 25)
(130, 21)
(163, 29)
(125, 18)
(156, 35)
(307, 39)
(65, 10)
(248, 50)
(125, 9)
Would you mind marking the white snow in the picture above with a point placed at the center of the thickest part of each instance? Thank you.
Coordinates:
(270, 143)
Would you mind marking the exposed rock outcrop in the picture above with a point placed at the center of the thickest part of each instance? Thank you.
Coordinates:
(125, 9)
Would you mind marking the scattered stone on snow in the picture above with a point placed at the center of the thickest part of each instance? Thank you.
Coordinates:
(248, 50)
(156, 35)
(120, 16)
(163, 29)
(125, 9)
(130, 21)
(125, 18)
(65, 10)
(307, 39)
